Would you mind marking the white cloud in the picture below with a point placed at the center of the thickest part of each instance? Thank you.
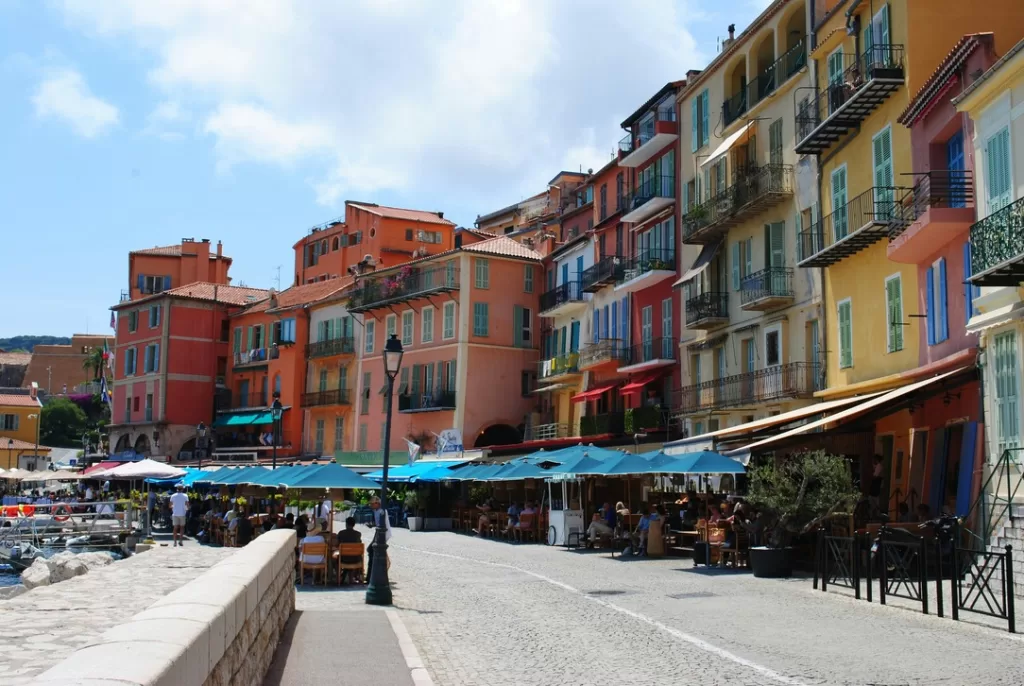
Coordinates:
(483, 99)
(166, 120)
(64, 95)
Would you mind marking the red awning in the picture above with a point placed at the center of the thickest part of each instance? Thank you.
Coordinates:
(638, 385)
(592, 393)
(101, 465)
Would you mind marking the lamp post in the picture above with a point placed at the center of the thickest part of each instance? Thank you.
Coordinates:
(201, 442)
(10, 452)
(378, 592)
(39, 420)
(276, 410)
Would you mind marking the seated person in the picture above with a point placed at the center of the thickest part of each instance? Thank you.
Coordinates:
(286, 522)
(243, 530)
(598, 528)
(530, 521)
(924, 512)
(621, 510)
(269, 521)
(609, 516)
(314, 536)
(904, 513)
(350, 535)
(485, 519)
(643, 528)
(513, 517)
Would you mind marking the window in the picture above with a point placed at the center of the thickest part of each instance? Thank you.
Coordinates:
(881, 145)
(526, 384)
(523, 323)
(133, 321)
(149, 407)
(937, 311)
(667, 352)
(130, 360)
(152, 361)
(835, 79)
(153, 284)
(775, 143)
(448, 325)
(742, 262)
(528, 278)
(618, 240)
(773, 347)
(775, 247)
(450, 377)
(602, 249)
(604, 202)
(428, 236)
(427, 325)
(154, 316)
(364, 407)
(369, 343)
(8, 422)
(699, 130)
(238, 339)
(998, 177)
(390, 327)
(845, 333)
(482, 272)
(135, 404)
(339, 433)
(362, 437)
(318, 446)
(894, 313)
(1007, 385)
(839, 209)
(383, 432)
(408, 322)
(284, 331)
(408, 234)
(970, 292)
(323, 380)
(128, 409)
(480, 319)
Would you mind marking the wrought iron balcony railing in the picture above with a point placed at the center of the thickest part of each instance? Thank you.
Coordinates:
(546, 432)
(251, 357)
(707, 306)
(597, 424)
(336, 346)
(997, 247)
(647, 261)
(561, 364)
(337, 396)
(770, 283)
(661, 348)
(944, 189)
(780, 71)
(227, 400)
(603, 351)
(663, 186)
(427, 402)
(850, 228)
(608, 270)
(645, 131)
(568, 292)
(753, 191)
(734, 106)
(791, 380)
(403, 286)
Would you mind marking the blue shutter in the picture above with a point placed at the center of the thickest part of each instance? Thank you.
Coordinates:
(930, 306)
(694, 114)
(970, 292)
(595, 326)
(615, 319)
(574, 337)
(943, 322)
(624, 313)
(167, 283)
(705, 118)
(142, 282)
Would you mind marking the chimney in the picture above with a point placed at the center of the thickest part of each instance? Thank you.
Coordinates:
(33, 391)
(220, 249)
(692, 74)
(731, 39)
(440, 215)
(273, 298)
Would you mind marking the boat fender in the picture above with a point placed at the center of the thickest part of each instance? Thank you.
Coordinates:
(62, 513)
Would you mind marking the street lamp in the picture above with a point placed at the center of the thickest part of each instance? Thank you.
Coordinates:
(36, 416)
(201, 442)
(378, 592)
(10, 452)
(276, 410)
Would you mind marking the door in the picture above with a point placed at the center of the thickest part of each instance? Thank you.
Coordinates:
(666, 330)
(876, 40)
(839, 209)
(574, 337)
(579, 268)
(323, 380)
(772, 363)
(955, 165)
(835, 80)
(882, 156)
(565, 273)
(647, 333)
(243, 393)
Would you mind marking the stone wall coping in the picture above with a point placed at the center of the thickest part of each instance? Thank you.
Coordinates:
(180, 638)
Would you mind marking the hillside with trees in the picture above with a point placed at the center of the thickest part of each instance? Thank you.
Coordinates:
(27, 343)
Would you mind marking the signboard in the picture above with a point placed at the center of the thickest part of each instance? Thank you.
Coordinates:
(449, 441)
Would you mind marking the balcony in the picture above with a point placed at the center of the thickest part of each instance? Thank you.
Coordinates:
(767, 289)
(607, 271)
(650, 197)
(335, 346)
(546, 432)
(241, 401)
(858, 224)
(566, 299)
(126, 296)
(791, 381)
(652, 134)
(251, 358)
(338, 396)
(645, 270)
(707, 311)
(559, 366)
(935, 212)
(866, 82)
(780, 71)
(752, 193)
(428, 402)
(734, 107)
(650, 354)
(405, 285)
(610, 351)
(997, 247)
(599, 424)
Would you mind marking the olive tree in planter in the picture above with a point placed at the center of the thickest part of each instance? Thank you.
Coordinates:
(796, 494)
(414, 508)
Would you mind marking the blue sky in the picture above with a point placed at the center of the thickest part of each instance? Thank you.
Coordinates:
(127, 124)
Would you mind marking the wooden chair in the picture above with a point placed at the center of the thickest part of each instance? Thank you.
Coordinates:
(740, 551)
(312, 550)
(527, 527)
(352, 550)
(715, 538)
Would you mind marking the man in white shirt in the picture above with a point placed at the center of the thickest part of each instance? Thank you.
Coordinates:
(179, 510)
(379, 517)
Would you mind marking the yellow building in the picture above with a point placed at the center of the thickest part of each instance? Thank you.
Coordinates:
(19, 428)
(330, 380)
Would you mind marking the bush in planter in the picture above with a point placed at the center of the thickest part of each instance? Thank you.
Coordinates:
(796, 494)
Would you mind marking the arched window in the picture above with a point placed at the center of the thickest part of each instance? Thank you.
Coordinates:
(335, 244)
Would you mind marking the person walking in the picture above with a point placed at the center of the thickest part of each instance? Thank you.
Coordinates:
(179, 511)
(380, 518)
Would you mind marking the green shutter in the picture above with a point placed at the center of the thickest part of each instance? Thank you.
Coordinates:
(417, 376)
(735, 266)
(694, 128)
(248, 337)
(705, 133)
(845, 335)
(776, 244)
(839, 210)
(238, 339)
(997, 171)
(882, 157)
(517, 327)
(894, 308)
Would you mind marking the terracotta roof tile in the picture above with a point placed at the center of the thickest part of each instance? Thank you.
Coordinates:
(16, 359)
(400, 213)
(305, 294)
(202, 290)
(164, 251)
(19, 445)
(947, 69)
(504, 247)
(10, 400)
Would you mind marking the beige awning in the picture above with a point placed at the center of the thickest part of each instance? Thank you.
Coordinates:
(737, 137)
(877, 401)
(553, 387)
(997, 317)
(707, 253)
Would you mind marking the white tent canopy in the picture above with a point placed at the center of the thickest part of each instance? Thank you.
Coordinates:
(143, 469)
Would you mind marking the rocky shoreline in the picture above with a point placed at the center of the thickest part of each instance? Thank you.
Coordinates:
(53, 570)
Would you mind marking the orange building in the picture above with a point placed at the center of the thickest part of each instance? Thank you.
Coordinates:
(268, 361)
(385, 235)
(59, 368)
(159, 269)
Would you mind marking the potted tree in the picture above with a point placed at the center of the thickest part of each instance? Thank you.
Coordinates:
(414, 507)
(795, 494)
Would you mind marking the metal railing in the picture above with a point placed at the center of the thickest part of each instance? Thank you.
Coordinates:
(772, 282)
(597, 424)
(337, 396)
(376, 292)
(560, 364)
(241, 401)
(126, 296)
(663, 186)
(645, 131)
(877, 205)
(711, 305)
(858, 71)
(998, 238)
(607, 270)
(661, 348)
(791, 61)
(747, 192)
(647, 261)
(257, 356)
(790, 380)
(543, 432)
(335, 346)
(571, 291)
(946, 189)
(603, 351)
(734, 106)
(443, 400)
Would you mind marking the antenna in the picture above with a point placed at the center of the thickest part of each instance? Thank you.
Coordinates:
(278, 278)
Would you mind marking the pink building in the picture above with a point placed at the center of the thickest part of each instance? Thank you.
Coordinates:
(467, 319)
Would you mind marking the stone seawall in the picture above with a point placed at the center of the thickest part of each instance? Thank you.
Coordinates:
(219, 629)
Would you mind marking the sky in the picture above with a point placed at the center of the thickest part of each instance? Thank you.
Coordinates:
(128, 124)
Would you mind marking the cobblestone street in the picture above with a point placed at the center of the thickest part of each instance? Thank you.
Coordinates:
(486, 613)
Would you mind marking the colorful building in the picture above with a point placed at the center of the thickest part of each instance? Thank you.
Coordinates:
(154, 270)
(60, 369)
(369, 236)
(20, 417)
(467, 321)
(752, 343)
(170, 358)
(18, 454)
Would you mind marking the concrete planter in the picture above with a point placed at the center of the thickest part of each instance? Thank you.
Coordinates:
(415, 523)
(771, 563)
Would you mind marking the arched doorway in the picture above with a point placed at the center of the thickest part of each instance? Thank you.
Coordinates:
(142, 445)
(498, 434)
(187, 451)
(123, 443)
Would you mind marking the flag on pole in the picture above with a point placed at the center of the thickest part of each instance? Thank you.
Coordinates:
(414, 450)
(104, 393)
(441, 443)
(113, 321)
(108, 357)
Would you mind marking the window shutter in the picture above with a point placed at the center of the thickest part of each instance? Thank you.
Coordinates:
(943, 320)
(517, 326)
(997, 167)
(142, 282)
(694, 114)
(595, 333)
(686, 198)
(417, 376)
(156, 357)
(439, 377)
(930, 312)
(705, 133)
(167, 283)
(248, 338)
(624, 310)
(777, 235)
(845, 335)
(970, 292)
(564, 341)
(894, 297)
(735, 266)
